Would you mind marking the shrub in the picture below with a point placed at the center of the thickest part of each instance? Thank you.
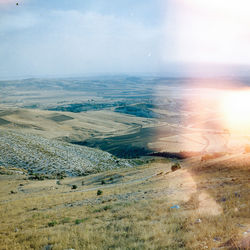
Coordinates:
(104, 208)
(74, 187)
(60, 175)
(99, 192)
(176, 166)
(39, 177)
(103, 182)
(78, 221)
(52, 223)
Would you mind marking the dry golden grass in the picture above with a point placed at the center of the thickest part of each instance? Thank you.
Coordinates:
(103, 123)
(134, 213)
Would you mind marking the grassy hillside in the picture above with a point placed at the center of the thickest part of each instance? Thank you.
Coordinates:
(209, 200)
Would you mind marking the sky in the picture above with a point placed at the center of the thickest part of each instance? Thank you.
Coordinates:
(75, 37)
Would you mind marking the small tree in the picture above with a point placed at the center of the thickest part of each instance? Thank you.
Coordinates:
(52, 223)
(176, 166)
(99, 192)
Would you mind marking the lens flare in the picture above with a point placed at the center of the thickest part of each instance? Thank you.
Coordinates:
(235, 106)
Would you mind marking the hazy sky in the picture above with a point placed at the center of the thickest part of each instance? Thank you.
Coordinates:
(74, 37)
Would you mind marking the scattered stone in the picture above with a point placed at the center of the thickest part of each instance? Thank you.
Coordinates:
(223, 199)
(175, 206)
(198, 221)
(48, 247)
(237, 194)
(217, 239)
(240, 225)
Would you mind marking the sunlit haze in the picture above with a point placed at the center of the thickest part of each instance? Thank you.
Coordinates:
(211, 31)
(235, 106)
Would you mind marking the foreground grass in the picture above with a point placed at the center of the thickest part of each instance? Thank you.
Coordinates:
(128, 215)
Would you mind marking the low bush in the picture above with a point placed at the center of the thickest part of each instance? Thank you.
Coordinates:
(78, 221)
(39, 177)
(52, 223)
(175, 166)
(99, 192)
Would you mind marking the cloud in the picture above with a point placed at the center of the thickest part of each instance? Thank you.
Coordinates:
(11, 22)
(58, 40)
(74, 42)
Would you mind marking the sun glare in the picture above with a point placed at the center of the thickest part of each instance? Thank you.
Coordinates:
(235, 108)
(212, 31)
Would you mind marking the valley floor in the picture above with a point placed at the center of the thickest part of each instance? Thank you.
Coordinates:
(204, 205)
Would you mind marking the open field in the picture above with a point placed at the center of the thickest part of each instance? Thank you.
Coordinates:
(134, 211)
(69, 125)
(127, 121)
